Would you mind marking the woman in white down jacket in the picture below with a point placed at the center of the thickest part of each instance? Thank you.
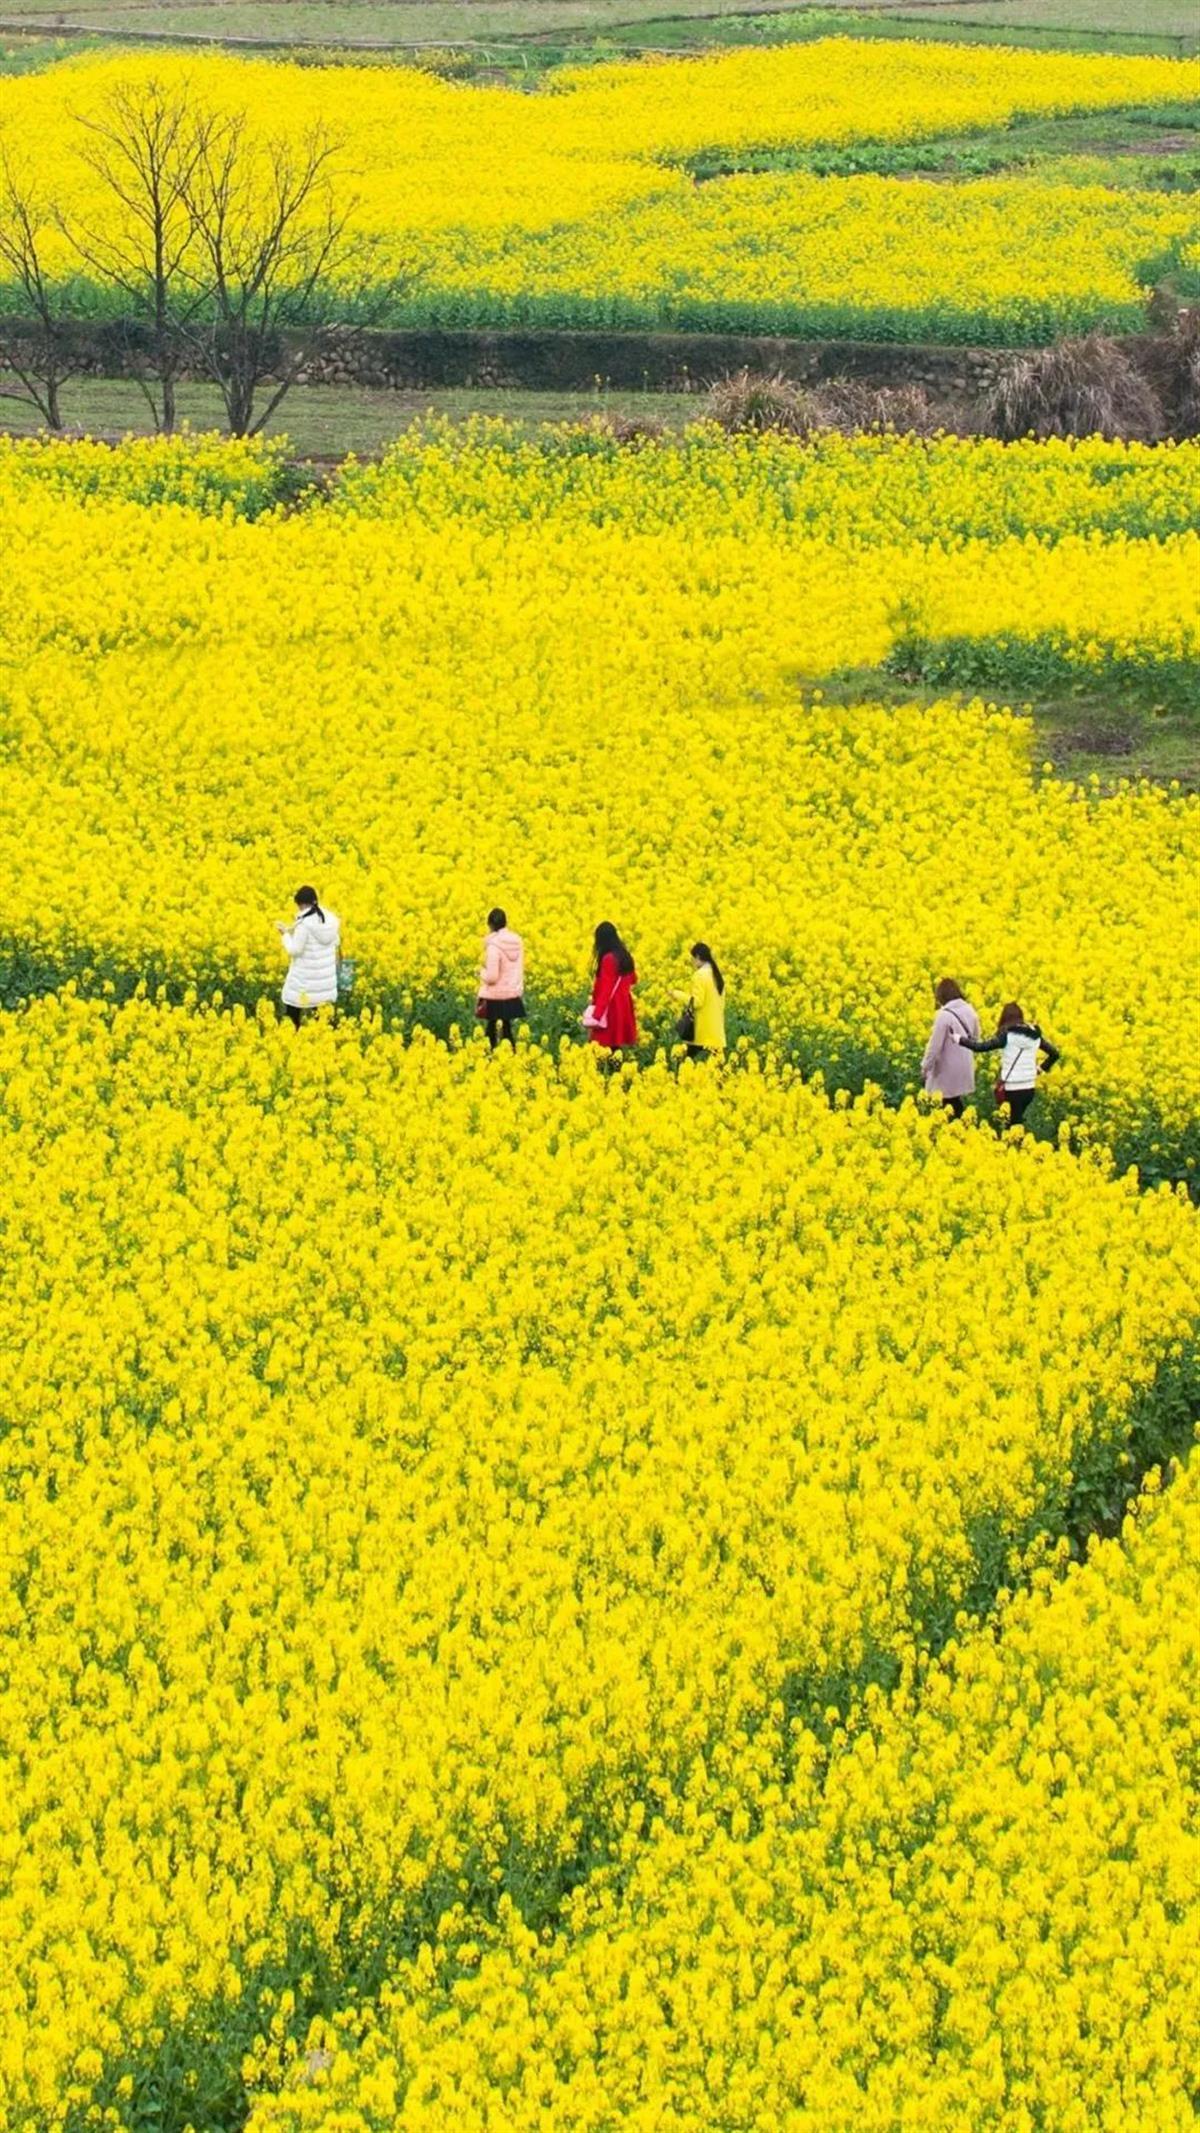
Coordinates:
(310, 944)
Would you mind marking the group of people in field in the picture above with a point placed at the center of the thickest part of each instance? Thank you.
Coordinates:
(315, 977)
(610, 1017)
(948, 1067)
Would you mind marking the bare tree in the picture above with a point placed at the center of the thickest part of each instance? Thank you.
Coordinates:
(144, 147)
(35, 348)
(271, 231)
(225, 245)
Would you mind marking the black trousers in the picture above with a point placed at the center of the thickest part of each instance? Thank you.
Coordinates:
(954, 1105)
(1019, 1101)
(500, 1019)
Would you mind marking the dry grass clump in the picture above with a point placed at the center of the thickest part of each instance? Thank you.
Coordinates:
(1184, 411)
(848, 404)
(757, 400)
(1079, 388)
(1173, 365)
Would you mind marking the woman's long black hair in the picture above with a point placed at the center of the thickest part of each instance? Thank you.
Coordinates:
(607, 941)
(706, 955)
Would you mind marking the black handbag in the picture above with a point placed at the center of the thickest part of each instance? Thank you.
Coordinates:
(685, 1028)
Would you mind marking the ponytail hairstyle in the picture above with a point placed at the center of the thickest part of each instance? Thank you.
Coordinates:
(307, 900)
(1010, 1016)
(703, 954)
(497, 920)
(607, 941)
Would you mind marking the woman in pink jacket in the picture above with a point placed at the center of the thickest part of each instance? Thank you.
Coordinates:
(501, 1002)
(948, 1068)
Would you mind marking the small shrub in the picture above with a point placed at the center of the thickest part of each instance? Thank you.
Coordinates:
(450, 64)
(757, 400)
(1079, 388)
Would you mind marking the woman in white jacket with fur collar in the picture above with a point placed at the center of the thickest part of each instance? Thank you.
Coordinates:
(311, 946)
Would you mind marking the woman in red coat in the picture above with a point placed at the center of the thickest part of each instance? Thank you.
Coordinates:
(609, 1019)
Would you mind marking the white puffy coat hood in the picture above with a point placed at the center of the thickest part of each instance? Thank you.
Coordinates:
(323, 931)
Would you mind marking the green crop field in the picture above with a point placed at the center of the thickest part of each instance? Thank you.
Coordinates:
(523, 36)
(1124, 18)
(407, 22)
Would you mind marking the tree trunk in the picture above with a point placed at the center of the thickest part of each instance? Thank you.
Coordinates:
(53, 413)
(241, 401)
(168, 400)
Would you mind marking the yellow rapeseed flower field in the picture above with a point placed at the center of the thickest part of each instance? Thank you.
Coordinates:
(571, 206)
(830, 92)
(981, 1913)
(540, 1594)
(881, 258)
(206, 472)
(839, 90)
(565, 676)
(426, 1473)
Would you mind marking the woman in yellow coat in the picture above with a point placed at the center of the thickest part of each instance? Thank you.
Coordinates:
(708, 1004)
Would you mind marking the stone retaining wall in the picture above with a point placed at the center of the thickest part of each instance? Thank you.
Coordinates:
(955, 380)
(654, 362)
(415, 361)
